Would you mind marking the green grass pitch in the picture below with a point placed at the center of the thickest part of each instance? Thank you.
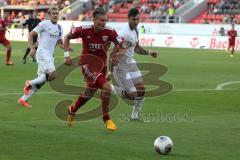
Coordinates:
(204, 123)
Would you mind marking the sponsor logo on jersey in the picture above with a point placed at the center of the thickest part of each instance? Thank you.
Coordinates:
(105, 38)
(55, 35)
(95, 46)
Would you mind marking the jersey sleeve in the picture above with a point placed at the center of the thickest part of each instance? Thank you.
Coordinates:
(76, 32)
(115, 38)
(40, 27)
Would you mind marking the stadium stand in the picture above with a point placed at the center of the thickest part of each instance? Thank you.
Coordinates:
(20, 10)
(60, 3)
(151, 10)
(220, 11)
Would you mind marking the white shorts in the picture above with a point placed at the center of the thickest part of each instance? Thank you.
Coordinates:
(128, 76)
(45, 67)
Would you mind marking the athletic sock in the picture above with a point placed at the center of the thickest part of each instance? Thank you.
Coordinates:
(138, 104)
(8, 56)
(79, 102)
(30, 94)
(105, 99)
(26, 53)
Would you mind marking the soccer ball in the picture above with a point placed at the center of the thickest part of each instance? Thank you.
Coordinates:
(163, 145)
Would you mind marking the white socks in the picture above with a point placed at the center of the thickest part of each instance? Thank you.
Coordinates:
(138, 104)
(39, 80)
(26, 97)
(35, 86)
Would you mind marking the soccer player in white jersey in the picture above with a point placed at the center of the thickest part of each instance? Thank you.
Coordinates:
(49, 35)
(126, 72)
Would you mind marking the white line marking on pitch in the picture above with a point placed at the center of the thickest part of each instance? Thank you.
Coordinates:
(174, 90)
(220, 86)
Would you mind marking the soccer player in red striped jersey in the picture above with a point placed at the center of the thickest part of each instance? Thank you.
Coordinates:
(96, 39)
(232, 34)
(3, 40)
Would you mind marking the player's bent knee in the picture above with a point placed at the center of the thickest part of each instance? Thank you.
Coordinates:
(105, 94)
(141, 92)
(9, 48)
(132, 95)
(106, 87)
(51, 76)
(101, 82)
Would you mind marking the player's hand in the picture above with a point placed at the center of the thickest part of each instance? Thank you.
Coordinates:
(68, 61)
(114, 61)
(33, 52)
(153, 54)
(109, 76)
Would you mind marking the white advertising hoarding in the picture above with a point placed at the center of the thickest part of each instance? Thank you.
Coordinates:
(162, 28)
(177, 41)
(158, 40)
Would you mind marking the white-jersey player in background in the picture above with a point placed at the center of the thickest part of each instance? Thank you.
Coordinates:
(126, 72)
(49, 35)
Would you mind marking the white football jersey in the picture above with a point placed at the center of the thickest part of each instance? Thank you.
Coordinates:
(130, 39)
(48, 36)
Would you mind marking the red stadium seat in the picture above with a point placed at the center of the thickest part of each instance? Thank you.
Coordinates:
(213, 16)
(204, 16)
(209, 16)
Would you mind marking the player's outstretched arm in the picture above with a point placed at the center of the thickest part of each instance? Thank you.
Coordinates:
(31, 44)
(67, 49)
(110, 64)
(60, 45)
(116, 54)
(140, 50)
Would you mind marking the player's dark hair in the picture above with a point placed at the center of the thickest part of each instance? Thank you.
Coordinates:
(133, 12)
(98, 12)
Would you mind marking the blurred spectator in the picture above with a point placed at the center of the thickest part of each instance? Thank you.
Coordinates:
(41, 15)
(144, 8)
(222, 32)
(222, 11)
(171, 11)
(82, 16)
(142, 30)
(232, 19)
(205, 21)
(151, 9)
